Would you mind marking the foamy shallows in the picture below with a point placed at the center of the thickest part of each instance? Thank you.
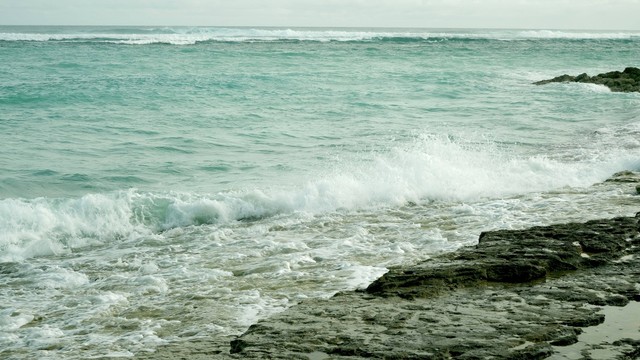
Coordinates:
(171, 185)
(162, 268)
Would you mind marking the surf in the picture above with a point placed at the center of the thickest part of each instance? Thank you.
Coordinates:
(195, 35)
(429, 168)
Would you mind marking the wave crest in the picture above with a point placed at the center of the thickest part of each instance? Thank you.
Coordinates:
(432, 168)
(194, 35)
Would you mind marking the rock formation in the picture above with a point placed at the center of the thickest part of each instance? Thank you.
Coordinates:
(524, 294)
(625, 81)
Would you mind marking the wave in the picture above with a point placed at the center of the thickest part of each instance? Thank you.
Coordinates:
(577, 35)
(430, 169)
(194, 35)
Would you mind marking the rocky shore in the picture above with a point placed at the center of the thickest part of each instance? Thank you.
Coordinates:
(566, 291)
(625, 81)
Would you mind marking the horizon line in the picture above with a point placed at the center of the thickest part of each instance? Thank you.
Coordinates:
(320, 27)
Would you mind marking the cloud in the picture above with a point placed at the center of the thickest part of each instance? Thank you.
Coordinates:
(360, 13)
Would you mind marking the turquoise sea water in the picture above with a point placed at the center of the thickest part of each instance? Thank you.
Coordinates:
(149, 172)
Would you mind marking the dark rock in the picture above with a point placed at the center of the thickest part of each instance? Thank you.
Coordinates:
(625, 177)
(625, 81)
(237, 346)
(584, 78)
(515, 288)
(561, 78)
(515, 272)
(634, 344)
(556, 335)
(534, 352)
(627, 341)
(508, 256)
(350, 350)
(591, 320)
(565, 341)
(632, 71)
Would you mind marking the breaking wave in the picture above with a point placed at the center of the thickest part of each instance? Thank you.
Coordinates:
(431, 168)
(193, 35)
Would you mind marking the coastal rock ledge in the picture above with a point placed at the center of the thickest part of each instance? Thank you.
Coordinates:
(517, 294)
(625, 81)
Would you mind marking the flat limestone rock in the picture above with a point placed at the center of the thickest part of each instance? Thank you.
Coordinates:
(526, 294)
(565, 291)
(625, 81)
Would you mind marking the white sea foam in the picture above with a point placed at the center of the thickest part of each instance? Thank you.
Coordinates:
(149, 284)
(438, 168)
(187, 36)
(556, 34)
(46, 226)
(430, 168)
(102, 303)
(44, 337)
(11, 319)
(363, 276)
(596, 88)
(59, 278)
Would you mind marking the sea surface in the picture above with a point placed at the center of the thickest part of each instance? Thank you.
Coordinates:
(161, 187)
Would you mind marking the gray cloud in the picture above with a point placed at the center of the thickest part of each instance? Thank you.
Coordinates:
(557, 14)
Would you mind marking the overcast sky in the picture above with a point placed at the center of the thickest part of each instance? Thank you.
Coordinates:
(536, 14)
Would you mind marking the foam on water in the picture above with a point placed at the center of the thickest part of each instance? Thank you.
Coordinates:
(195, 282)
(11, 320)
(556, 34)
(429, 168)
(189, 36)
(43, 226)
(58, 278)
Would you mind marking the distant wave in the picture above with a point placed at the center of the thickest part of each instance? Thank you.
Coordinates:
(577, 35)
(194, 35)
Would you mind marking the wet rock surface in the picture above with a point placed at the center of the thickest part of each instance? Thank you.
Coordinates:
(625, 81)
(525, 294)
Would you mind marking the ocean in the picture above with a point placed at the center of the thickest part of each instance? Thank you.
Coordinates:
(171, 185)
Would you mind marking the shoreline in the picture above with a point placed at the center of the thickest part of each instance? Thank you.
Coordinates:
(608, 340)
(543, 292)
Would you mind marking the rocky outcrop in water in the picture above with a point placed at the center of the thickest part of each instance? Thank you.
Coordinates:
(625, 81)
(525, 294)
